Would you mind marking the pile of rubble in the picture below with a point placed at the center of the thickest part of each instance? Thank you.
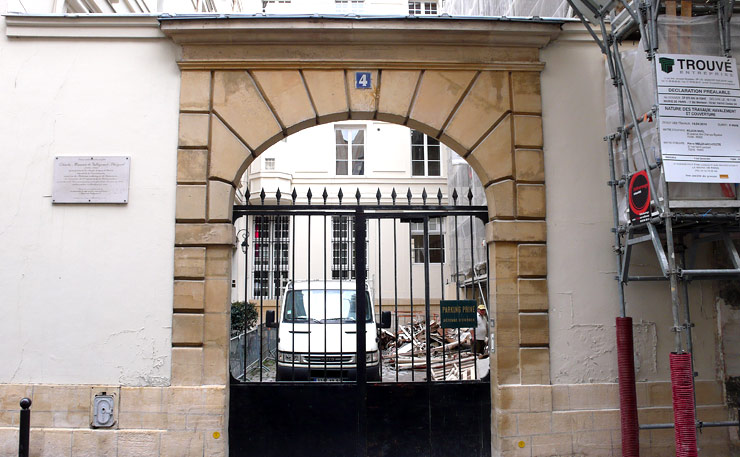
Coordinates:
(451, 352)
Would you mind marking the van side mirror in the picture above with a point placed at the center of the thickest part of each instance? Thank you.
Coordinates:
(270, 319)
(385, 319)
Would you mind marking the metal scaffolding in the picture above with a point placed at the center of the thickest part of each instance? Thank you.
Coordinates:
(674, 227)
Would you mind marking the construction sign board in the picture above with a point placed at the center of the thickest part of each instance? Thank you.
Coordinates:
(457, 313)
(699, 109)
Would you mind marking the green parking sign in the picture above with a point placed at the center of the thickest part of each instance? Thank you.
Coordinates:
(457, 313)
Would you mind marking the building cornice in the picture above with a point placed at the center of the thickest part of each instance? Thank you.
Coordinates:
(91, 26)
(342, 42)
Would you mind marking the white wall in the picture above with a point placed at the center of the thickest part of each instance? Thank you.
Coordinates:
(86, 290)
(583, 296)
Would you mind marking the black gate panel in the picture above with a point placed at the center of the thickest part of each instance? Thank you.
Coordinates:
(270, 420)
(403, 420)
(439, 407)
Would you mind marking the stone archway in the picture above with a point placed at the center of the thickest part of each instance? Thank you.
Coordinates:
(247, 83)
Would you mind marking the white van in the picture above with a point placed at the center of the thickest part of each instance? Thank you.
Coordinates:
(317, 332)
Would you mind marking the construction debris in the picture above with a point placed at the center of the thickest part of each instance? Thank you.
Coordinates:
(450, 350)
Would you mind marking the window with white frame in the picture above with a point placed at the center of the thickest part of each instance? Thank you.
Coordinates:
(350, 145)
(269, 163)
(270, 240)
(422, 8)
(349, 6)
(436, 241)
(425, 155)
(343, 247)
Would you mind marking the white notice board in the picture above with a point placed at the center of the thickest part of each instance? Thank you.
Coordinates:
(91, 179)
(699, 108)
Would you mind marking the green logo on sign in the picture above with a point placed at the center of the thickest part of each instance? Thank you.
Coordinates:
(666, 64)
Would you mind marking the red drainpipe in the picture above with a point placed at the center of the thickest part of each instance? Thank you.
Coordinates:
(627, 390)
(683, 405)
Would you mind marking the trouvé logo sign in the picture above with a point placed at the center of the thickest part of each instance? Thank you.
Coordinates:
(666, 64)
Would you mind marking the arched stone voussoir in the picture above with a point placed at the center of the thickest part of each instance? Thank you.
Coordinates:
(493, 158)
(239, 102)
(439, 93)
(286, 93)
(229, 156)
(329, 94)
(483, 106)
(363, 102)
(396, 94)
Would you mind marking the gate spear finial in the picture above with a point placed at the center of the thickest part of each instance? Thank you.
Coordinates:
(470, 196)
(439, 196)
(408, 195)
(424, 196)
(325, 195)
(454, 196)
(394, 195)
(309, 194)
(262, 195)
(357, 195)
(340, 195)
(377, 195)
(294, 195)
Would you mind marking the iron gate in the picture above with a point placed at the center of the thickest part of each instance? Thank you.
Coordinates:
(411, 386)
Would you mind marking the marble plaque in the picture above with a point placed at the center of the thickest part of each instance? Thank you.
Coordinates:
(86, 179)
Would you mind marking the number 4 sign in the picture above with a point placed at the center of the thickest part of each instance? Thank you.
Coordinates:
(362, 80)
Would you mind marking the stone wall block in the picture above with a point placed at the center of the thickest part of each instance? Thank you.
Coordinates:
(218, 262)
(285, 91)
(204, 234)
(217, 328)
(492, 158)
(187, 366)
(190, 203)
(532, 295)
(486, 102)
(396, 93)
(189, 295)
(524, 231)
(438, 94)
(530, 201)
(215, 363)
(362, 102)
(190, 262)
(195, 90)
(218, 296)
(50, 443)
(527, 92)
(229, 156)
(534, 423)
(187, 329)
(143, 443)
(507, 329)
(535, 365)
(182, 444)
(327, 89)
(501, 199)
(534, 329)
(528, 131)
(532, 260)
(238, 101)
(193, 130)
(530, 165)
(220, 201)
(507, 365)
(94, 443)
(142, 399)
(192, 166)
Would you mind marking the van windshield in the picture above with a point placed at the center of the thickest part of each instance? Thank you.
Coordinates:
(324, 308)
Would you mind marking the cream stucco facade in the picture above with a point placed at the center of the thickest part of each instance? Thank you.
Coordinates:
(91, 304)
